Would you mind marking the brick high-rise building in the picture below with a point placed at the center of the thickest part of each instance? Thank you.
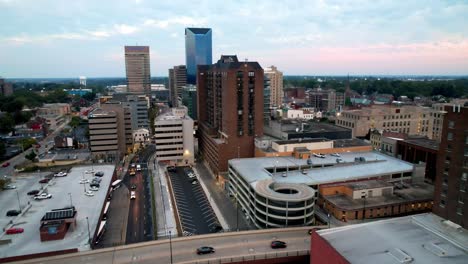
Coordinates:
(177, 80)
(450, 196)
(230, 110)
(137, 65)
(276, 85)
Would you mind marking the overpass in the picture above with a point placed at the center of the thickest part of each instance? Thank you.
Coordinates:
(230, 247)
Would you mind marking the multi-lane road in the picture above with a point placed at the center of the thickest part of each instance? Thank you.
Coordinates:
(140, 223)
(230, 247)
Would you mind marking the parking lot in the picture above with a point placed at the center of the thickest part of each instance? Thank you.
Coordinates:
(65, 191)
(196, 214)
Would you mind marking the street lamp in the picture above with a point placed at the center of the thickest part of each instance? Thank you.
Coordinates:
(89, 235)
(19, 204)
(364, 209)
(71, 201)
(170, 244)
(328, 215)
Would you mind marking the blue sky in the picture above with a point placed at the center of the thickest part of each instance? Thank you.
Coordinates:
(71, 38)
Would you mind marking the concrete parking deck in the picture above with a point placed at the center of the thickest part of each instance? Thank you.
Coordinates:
(65, 191)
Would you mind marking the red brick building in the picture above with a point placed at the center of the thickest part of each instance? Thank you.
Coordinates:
(451, 200)
(230, 110)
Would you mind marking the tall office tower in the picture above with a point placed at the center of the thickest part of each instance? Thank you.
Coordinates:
(276, 85)
(230, 110)
(177, 80)
(137, 65)
(451, 184)
(197, 51)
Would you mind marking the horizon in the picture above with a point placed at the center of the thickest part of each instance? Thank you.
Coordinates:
(87, 38)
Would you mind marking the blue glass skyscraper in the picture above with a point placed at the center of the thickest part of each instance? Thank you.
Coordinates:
(197, 51)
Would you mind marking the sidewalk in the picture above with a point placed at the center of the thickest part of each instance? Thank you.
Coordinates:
(219, 199)
(165, 218)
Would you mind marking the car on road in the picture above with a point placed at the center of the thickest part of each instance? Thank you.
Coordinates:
(194, 182)
(44, 180)
(132, 165)
(14, 230)
(9, 187)
(138, 167)
(205, 250)
(13, 213)
(43, 196)
(278, 244)
(6, 164)
(33, 192)
(99, 174)
(335, 155)
(132, 195)
(60, 174)
(89, 193)
(191, 175)
(94, 189)
(94, 184)
(133, 187)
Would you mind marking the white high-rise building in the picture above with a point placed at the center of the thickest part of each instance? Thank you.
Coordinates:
(276, 85)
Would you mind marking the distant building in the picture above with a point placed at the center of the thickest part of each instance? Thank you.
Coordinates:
(276, 85)
(137, 65)
(159, 93)
(198, 51)
(177, 80)
(412, 120)
(230, 110)
(174, 137)
(54, 114)
(420, 150)
(138, 106)
(325, 99)
(295, 95)
(6, 88)
(451, 185)
(291, 129)
(266, 100)
(189, 99)
(422, 238)
(83, 81)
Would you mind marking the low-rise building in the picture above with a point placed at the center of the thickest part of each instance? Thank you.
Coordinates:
(282, 191)
(420, 150)
(293, 129)
(174, 137)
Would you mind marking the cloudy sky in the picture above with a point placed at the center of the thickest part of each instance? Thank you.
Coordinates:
(52, 38)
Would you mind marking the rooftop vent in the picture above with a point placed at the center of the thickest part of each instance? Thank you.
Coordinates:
(436, 249)
(400, 255)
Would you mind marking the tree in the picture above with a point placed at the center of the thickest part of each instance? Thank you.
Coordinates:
(2, 148)
(31, 156)
(7, 123)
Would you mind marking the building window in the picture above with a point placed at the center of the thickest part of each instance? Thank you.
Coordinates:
(442, 203)
(451, 124)
(449, 136)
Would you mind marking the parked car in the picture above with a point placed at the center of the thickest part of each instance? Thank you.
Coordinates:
(43, 196)
(9, 187)
(33, 192)
(60, 174)
(94, 184)
(44, 181)
(6, 164)
(13, 213)
(14, 230)
(191, 175)
(94, 189)
(132, 195)
(205, 250)
(84, 181)
(99, 174)
(133, 187)
(194, 182)
(278, 244)
(96, 179)
(89, 193)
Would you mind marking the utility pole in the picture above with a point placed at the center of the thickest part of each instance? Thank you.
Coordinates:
(19, 203)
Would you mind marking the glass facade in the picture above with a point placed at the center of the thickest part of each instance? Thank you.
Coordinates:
(198, 50)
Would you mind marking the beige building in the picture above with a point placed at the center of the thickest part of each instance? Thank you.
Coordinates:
(412, 120)
(54, 114)
(137, 65)
(276, 85)
(177, 80)
(174, 137)
(110, 131)
(438, 113)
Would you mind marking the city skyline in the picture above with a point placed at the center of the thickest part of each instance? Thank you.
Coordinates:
(300, 38)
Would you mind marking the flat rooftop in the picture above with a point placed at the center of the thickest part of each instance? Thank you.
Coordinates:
(423, 238)
(345, 143)
(423, 142)
(412, 192)
(325, 170)
(310, 127)
(29, 242)
(300, 140)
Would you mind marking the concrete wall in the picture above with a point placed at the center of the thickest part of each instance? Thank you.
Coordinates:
(310, 146)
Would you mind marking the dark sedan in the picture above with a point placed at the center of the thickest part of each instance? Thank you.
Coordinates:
(13, 213)
(44, 181)
(33, 192)
(278, 244)
(205, 250)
